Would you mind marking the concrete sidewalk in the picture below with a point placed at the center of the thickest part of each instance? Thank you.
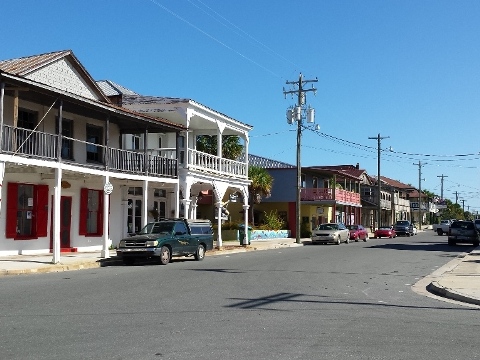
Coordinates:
(458, 280)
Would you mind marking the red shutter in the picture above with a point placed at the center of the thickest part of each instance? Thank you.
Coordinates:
(100, 214)
(41, 210)
(82, 228)
(12, 199)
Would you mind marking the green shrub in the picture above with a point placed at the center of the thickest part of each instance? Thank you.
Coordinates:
(272, 221)
(305, 230)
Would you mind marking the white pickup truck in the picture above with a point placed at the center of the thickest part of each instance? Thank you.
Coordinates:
(443, 227)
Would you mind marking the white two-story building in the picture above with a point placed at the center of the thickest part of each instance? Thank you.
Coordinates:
(208, 182)
(79, 171)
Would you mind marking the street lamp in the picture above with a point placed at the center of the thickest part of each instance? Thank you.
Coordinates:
(298, 114)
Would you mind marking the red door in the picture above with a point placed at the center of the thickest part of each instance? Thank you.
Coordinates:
(65, 223)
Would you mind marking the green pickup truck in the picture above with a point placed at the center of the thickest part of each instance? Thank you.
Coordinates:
(166, 238)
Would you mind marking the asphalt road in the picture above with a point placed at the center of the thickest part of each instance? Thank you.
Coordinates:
(350, 301)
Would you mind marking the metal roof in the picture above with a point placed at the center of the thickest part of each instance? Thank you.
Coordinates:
(265, 163)
(111, 88)
(25, 65)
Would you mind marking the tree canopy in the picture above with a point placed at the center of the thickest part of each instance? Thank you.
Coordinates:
(231, 147)
(260, 187)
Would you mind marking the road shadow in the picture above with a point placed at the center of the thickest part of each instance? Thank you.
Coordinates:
(264, 302)
(425, 246)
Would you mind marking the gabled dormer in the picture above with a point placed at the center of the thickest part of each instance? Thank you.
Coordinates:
(60, 69)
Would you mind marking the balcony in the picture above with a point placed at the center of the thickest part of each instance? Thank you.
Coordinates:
(40, 145)
(327, 194)
(201, 161)
(372, 199)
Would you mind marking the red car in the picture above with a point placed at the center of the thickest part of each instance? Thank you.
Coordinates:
(357, 232)
(385, 231)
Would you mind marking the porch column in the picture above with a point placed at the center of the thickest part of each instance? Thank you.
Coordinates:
(107, 143)
(145, 153)
(107, 188)
(56, 215)
(145, 203)
(193, 213)
(60, 131)
(176, 200)
(246, 150)
(245, 222)
(186, 208)
(2, 164)
(219, 223)
(2, 97)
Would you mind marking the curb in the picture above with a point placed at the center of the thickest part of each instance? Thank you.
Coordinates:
(437, 289)
(115, 261)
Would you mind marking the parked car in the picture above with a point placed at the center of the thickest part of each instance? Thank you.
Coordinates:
(331, 233)
(166, 238)
(463, 231)
(403, 227)
(443, 227)
(385, 231)
(358, 232)
(477, 224)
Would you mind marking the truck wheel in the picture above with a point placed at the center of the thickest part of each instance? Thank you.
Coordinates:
(165, 255)
(200, 254)
(439, 232)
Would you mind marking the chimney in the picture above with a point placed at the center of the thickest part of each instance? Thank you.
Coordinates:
(357, 166)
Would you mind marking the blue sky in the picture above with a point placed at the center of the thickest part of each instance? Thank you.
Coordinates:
(407, 70)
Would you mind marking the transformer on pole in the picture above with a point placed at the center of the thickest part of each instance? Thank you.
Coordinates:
(298, 113)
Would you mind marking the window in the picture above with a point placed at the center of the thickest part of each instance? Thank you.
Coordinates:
(135, 142)
(315, 182)
(67, 144)
(26, 119)
(25, 139)
(27, 211)
(180, 228)
(135, 191)
(160, 193)
(94, 136)
(91, 212)
(181, 147)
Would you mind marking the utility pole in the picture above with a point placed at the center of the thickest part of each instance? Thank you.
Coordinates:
(456, 197)
(441, 184)
(419, 193)
(379, 183)
(295, 114)
(463, 206)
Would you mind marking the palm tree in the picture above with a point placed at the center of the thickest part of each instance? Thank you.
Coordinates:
(260, 186)
(231, 147)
